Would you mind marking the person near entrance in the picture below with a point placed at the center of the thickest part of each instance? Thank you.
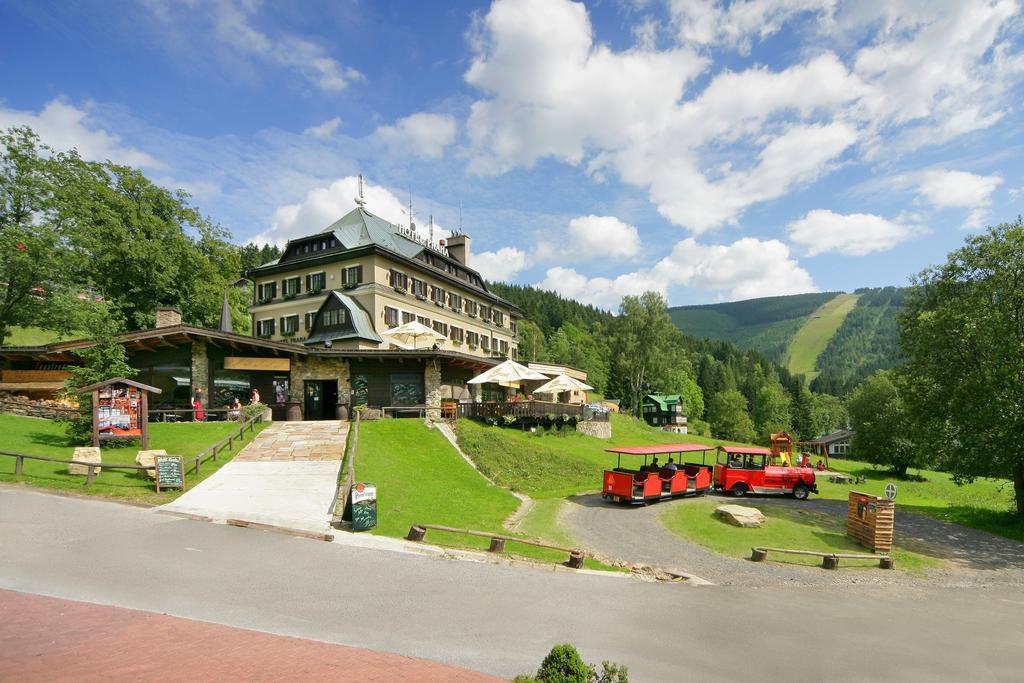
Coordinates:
(255, 396)
(198, 414)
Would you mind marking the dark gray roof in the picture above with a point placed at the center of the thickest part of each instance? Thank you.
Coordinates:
(361, 323)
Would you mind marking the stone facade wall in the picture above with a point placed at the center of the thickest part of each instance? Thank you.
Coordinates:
(599, 430)
(201, 369)
(432, 389)
(325, 368)
(13, 404)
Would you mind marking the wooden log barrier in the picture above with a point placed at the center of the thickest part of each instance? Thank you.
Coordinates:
(417, 532)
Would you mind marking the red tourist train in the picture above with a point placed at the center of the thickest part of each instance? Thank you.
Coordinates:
(739, 470)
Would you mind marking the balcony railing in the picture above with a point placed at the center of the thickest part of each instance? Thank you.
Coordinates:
(534, 410)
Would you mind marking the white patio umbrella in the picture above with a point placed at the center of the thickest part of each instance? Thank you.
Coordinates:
(409, 335)
(508, 373)
(562, 383)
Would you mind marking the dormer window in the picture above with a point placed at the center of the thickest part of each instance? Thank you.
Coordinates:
(333, 318)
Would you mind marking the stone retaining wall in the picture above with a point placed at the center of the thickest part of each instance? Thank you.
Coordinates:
(600, 430)
(13, 404)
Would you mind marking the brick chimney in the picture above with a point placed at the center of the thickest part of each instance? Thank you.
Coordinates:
(167, 316)
(458, 248)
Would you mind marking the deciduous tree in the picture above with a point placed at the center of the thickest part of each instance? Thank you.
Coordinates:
(962, 331)
(883, 429)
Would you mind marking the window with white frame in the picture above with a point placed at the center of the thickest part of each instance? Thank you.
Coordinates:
(438, 295)
(267, 291)
(333, 318)
(310, 318)
(290, 287)
(455, 334)
(316, 282)
(390, 316)
(471, 307)
(265, 327)
(440, 327)
(455, 301)
(419, 287)
(408, 317)
(289, 324)
(485, 342)
(423, 320)
(473, 339)
(351, 276)
(399, 280)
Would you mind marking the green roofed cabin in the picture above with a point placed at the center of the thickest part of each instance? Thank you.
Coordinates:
(665, 411)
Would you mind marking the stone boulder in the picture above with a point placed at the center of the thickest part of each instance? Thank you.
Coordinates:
(740, 515)
(148, 459)
(85, 454)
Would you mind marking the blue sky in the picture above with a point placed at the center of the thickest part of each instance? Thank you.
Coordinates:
(711, 151)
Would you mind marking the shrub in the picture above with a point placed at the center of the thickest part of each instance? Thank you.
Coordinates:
(252, 410)
(564, 665)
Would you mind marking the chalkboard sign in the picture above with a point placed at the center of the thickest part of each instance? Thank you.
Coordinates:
(170, 472)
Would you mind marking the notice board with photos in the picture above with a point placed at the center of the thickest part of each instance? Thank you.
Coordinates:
(120, 410)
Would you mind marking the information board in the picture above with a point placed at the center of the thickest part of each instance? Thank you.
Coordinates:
(118, 412)
(170, 472)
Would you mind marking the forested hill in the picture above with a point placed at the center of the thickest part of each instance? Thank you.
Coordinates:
(740, 394)
(766, 325)
(835, 340)
(548, 310)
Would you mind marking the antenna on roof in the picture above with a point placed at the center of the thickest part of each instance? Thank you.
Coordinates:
(360, 201)
(412, 222)
(460, 216)
(431, 223)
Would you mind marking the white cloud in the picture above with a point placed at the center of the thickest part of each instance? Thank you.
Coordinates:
(64, 126)
(425, 135)
(875, 78)
(501, 265)
(946, 189)
(603, 236)
(325, 129)
(855, 234)
(323, 205)
(976, 219)
(745, 269)
(1015, 192)
(703, 22)
(232, 24)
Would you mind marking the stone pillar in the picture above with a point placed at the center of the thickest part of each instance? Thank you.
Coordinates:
(201, 370)
(432, 389)
(344, 383)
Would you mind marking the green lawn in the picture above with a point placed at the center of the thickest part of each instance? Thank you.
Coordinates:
(986, 504)
(812, 338)
(421, 479)
(34, 436)
(785, 528)
(556, 464)
(34, 336)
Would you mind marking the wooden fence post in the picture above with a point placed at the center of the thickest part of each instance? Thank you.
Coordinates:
(17, 465)
(88, 476)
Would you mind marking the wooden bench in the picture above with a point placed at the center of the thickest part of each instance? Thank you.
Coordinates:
(395, 410)
(828, 560)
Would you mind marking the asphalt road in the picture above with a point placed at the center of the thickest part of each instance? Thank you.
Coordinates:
(495, 618)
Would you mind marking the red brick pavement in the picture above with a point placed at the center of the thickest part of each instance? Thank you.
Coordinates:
(49, 639)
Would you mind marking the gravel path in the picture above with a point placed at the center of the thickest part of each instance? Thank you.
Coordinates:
(634, 534)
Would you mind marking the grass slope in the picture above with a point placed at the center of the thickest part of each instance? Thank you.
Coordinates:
(812, 338)
(555, 464)
(34, 336)
(34, 436)
(785, 528)
(985, 504)
(765, 325)
(421, 479)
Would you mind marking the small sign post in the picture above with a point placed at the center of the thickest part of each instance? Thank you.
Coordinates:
(170, 472)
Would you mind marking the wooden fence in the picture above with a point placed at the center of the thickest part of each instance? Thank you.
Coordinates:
(498, 541)
(198, 460)
(535, 410)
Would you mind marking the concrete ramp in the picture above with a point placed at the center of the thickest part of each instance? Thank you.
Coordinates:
(287, 477)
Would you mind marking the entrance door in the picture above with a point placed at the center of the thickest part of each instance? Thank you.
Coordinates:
(321, 399)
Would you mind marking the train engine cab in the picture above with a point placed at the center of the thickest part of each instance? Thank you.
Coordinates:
(740, 470)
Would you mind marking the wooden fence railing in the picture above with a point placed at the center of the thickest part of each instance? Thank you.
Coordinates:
(350, 473)
(498, 541)
(198, 460)
(527, 409)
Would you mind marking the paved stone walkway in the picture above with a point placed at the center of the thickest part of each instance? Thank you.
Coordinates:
(287, 476)
(321, 441)
(50, 639)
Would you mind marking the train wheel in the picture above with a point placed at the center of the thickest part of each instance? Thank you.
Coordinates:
(800, 492)
(738, 490)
